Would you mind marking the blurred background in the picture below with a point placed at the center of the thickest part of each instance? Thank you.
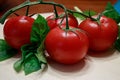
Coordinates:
(96, 5)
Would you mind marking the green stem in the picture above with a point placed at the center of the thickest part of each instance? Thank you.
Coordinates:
(61, 6)
(27, 11)
(89, 14)
(16, 14)
(28, 3)
(67, 24)
(86, 16)
(98, 18)
(55, 11)
(39, 0)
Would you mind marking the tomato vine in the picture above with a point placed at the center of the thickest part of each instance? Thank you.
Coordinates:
(38, 36)
(28, 3)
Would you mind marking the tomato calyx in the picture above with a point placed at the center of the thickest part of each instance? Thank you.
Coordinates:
(71, 29)
(98, 18)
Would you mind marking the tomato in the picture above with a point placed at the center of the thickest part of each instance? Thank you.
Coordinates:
(17, 31)
(67, 47)
(53, 22)
(101, 35)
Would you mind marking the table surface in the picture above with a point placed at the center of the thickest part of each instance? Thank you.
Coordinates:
(96, 5)
(95, 66)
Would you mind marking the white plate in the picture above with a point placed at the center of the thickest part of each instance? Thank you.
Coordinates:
(98, 66)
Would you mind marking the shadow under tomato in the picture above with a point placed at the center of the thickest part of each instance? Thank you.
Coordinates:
(67, 68)
(18, 55)
(102, 54)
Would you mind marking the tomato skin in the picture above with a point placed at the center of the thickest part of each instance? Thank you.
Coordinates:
(66, 47)
(52, 22)
(17, 31)
(101, 36)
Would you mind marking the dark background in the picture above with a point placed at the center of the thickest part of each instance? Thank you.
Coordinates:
(96, 5)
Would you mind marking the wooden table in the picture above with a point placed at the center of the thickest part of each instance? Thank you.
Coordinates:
(96, 5)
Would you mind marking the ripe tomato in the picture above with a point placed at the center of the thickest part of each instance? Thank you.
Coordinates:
(53, 22)
(66, 47)
(101, 35)
(17, 31)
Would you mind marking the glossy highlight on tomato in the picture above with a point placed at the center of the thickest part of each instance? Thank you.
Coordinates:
(66, 47)
(54, 22)
(101, 35)
(17, 31)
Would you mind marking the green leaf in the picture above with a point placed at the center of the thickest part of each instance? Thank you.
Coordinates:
(39, 0)
(27, 50)
(92, 13)
(31, 64)
(87, 12)
(18, 65)
(40, 54)
(39, 30)
(111, 12)
(33, 56)
(6, 51)
(117, 44)
(33, 60)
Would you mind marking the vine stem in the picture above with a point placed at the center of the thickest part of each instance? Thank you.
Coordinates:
(63, 7)
(55, 11)
(27, 10)
(28, 3)
(86, 16)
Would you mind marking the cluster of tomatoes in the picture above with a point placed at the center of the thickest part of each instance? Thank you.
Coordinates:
(63, 45)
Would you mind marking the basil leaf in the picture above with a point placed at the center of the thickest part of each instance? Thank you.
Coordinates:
(27, 50)
(91, 13)
(33, 54)
(6, 51)
(111, 12)
(117, 44)
(18, 65)
(39, 30)
(32, 60)
(40, 54)
(31, 64)
(87, 12)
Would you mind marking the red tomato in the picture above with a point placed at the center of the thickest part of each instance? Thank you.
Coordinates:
(53, 22)
(101, 35)
(66, 47)
(17, 31)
